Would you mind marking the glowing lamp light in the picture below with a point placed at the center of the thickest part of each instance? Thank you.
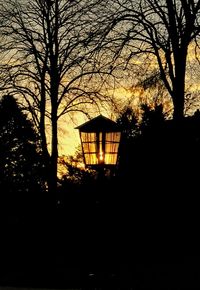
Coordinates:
(100, 139)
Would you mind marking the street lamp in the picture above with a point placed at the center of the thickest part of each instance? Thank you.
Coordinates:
(100, 138)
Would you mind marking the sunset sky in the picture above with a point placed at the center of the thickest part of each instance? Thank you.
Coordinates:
(125, 93)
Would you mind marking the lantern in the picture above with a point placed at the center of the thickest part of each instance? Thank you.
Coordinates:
(100, 139)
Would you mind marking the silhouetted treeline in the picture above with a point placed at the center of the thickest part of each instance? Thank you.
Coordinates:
(23, 200)
(106, 226)
(162, 155)
(21, 167)
(22, 170)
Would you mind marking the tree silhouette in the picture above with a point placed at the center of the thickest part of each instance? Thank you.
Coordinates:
(161, 33)
(24, 204)
(21, 164)
(51, 45)
(138, 132)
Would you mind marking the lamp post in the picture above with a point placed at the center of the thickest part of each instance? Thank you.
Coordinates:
(100, 139)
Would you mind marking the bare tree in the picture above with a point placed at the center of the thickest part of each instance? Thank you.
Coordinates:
(47, 58)
(159, 31)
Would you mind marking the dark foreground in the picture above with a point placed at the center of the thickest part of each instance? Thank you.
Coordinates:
(149, 243)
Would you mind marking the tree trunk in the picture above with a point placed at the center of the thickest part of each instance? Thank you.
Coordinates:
(54, 153)
(46, 155)
(54, 85)
(178, 101)
(179, 84)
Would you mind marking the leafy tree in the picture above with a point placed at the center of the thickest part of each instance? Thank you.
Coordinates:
(155, 32)
(129, 127)
(21, 163)
(152, 119)
(143, 140)
(128, 122)
(47, 48)
(76, 172)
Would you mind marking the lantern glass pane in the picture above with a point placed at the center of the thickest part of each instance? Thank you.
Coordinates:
(113, 137)
(89, 147)
(88, 137)
(110, 158)
(112, 140)
(91, 159)
(111, 147)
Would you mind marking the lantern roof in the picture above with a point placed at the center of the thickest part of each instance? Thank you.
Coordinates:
(99, 123)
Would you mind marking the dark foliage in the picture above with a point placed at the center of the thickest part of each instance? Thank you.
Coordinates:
(161, 153)
(23, 202)
(130, 227)
(21, 166)
(127, 226)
